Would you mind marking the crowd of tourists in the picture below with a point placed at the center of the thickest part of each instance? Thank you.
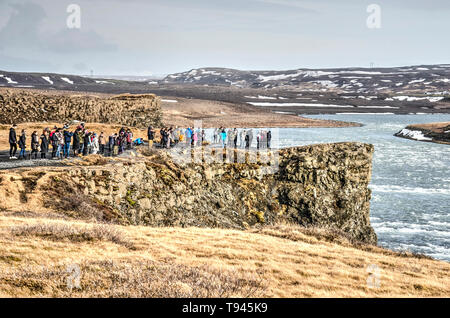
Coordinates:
(59, 143)
(170, 137)
(243, 138)
(225, 137)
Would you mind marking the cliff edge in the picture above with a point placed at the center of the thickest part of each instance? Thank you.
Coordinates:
(322, 186)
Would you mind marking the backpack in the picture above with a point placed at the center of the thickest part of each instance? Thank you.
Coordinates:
(54, 137)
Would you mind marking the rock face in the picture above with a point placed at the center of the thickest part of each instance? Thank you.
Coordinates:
(327, 185)
(140, 110)
(320, 185)
(438, 134)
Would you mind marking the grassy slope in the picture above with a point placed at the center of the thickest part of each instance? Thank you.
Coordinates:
(436, 127)
(281, 261)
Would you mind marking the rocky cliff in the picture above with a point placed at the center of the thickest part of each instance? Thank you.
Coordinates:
(19, 106)
(433, 132)
(320, 185)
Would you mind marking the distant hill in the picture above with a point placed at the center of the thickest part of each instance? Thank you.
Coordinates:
(424, 78)
(345, 80)
(73, 82)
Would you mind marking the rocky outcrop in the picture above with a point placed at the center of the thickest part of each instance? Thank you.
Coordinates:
(435, 132)
(319, 185)
(19, 106)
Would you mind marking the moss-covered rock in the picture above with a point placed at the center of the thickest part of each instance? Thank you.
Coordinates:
(320, 185)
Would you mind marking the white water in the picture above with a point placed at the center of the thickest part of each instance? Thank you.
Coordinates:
(410, 206)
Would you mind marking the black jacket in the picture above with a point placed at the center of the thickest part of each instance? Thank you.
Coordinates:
(111, 141)
(44, 143)
(12, 136)
(22, 142)
(34, 142)
(151, 134)
(76, 139)
(87, 139)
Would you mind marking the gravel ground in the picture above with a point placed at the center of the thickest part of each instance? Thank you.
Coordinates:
(6, 163)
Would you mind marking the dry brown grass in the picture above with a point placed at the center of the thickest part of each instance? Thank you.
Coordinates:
(122, 279)
(436, 127)
(64, 232)
(71, 202)
(281, 261)
(311, 234)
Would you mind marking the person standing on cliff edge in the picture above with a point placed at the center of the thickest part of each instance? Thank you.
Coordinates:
(22, 145)
(67, 135)
(34, 145)
(44, 144)
(269, 138)
(151, 136)
(12, 142)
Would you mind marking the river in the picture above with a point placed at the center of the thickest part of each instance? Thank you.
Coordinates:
(410, 206)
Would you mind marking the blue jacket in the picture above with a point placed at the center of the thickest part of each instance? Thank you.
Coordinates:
(67, 137)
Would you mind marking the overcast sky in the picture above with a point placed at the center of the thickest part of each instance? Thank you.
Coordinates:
(145, 37)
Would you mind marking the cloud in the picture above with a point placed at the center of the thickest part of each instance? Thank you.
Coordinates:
(80, 66)
(78, 41)
(24, 31)
(17, 64)
(22, 28)
(288, 4)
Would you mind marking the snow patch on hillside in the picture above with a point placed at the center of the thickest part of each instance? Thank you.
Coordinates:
(263, 104)
(413, 99)
(414, 134)
(65, 79)
(104, 82)
(47, 78)
(8, 79)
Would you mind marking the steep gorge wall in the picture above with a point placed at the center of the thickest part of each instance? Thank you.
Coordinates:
(320, 185)
(20, 106)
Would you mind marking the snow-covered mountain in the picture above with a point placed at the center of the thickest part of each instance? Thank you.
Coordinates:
(73, 82)
(427, 78)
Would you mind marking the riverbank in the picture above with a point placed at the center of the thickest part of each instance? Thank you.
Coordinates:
(431, 132)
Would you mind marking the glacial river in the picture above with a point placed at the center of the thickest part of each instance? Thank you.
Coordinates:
(410, 206)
